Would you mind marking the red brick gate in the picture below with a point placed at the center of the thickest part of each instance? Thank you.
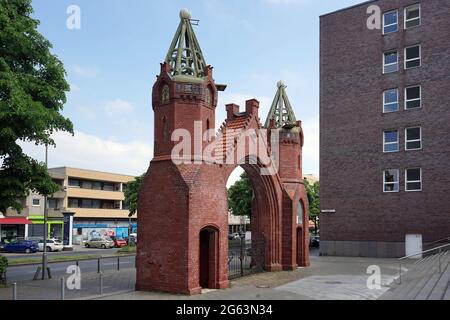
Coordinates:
(183, 227)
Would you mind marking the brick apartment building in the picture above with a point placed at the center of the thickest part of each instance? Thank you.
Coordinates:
(385, 128)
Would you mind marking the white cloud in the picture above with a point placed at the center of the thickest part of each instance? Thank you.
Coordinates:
(90, 152)
(84, 72)
(118, 107)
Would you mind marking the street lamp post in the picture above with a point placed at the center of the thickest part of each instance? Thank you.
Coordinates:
(44, 252)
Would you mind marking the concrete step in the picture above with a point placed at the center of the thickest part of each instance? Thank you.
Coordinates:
(439, 290)
(423, 281)
(428, 288)
(412, 282)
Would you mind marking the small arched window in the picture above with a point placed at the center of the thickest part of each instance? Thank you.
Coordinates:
(165, 94)
(300, 213)
(165, 130)
(207, 130)
(208, 96)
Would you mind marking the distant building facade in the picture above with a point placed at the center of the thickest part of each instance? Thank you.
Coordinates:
(385, 133)
(89, 204)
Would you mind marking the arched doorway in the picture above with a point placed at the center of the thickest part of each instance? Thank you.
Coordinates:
(209, 249)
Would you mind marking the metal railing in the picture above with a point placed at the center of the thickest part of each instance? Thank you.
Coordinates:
(444, 240)
(439, 249)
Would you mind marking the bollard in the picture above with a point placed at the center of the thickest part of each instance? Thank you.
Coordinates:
(63, 293)
(98, 266)
(14, 291)
(118, 263)
(101, 283)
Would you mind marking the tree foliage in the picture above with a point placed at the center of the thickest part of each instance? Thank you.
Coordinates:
(131, 194)
(3, 267)
(313, 192)
(32, 94)
(240, 196)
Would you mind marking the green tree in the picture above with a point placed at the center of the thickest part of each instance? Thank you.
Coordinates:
(240, 196)
(32, 94)
(313, 192)
(131, 194)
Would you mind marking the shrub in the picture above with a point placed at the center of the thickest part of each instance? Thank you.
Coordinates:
(3, 267)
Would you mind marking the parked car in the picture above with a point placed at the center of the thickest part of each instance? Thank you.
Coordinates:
(314, 241)
(119, 242)
(52, 245)
(26, 246)
(103, 243)
(234, 236)
(2, 246)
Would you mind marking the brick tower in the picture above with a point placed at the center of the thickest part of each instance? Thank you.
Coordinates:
(295, 243)
(171, 221)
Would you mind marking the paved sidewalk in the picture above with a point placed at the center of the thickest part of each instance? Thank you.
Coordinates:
(327, 278)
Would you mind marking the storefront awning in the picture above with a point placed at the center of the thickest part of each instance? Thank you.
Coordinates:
(14, 221)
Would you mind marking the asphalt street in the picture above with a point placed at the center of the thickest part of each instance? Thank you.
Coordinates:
(58, 269)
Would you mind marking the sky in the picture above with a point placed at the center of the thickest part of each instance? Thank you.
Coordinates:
(113, 59)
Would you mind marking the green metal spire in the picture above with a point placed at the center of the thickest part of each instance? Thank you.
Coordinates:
(185, 56)
(281, 110)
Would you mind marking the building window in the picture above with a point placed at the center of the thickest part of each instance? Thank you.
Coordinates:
(165, 94)
(390, 100)
(86, 184)
(413, 179)
(390, 22)
(413, 97)
(74, 183)
(108, 187)
(390, 61)
(390, 141)
(412, 16)
(53, 204)
(413, 138)
(86, 203)
(413, 57)
(300, 213)
(208, 96)
(390, 180)
(36, 202)
(73, 203)
(96, 204)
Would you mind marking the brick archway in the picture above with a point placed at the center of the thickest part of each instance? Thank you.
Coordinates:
(182, 209)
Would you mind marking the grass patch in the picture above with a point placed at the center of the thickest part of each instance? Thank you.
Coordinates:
(52, 258)
(127, 249)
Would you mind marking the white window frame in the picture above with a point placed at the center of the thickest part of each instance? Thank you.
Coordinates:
(389, 64)
(416, 99)
(390, 103)
(415, 140)
(35, 205)
(408, 20)
(409, 60)
(414, 181)
(394, 183)
(389, 25)
(388, 143)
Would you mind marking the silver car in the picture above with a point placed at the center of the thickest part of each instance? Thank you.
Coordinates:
(103, 243)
